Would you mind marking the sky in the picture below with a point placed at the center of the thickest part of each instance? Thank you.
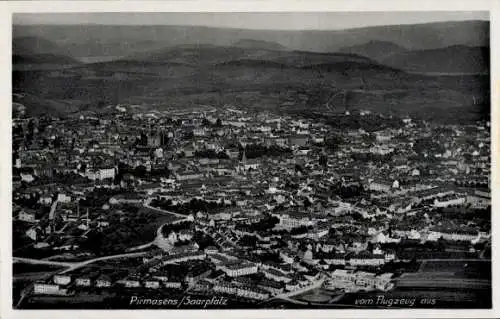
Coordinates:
(249, 20)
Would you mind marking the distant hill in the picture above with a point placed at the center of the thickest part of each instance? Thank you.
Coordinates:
(187, 54)
(252, 63)
(377, 50)
(189, 66)
(34, 45)
(352, 66)
(36, 106)
(452, 59)
(419, 36)
(45, 58)
(125, 63)
(258, 44)
(113, 40)
(37, 53)
(207, 55)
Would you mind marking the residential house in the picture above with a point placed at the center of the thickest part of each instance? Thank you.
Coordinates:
(152, 283)
(28, 216)
(103, 281)
(62, 279)
(366, 258)
(42, 288)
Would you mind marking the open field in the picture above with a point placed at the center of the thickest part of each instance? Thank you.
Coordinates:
(440, 281)
(454, 266)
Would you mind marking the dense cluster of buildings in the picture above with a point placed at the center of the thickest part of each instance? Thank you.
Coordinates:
(287, 202)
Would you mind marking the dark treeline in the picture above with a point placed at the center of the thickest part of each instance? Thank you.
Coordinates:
(259, 150)
(191, 207)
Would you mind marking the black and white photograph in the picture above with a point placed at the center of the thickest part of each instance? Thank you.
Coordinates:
(251, 160)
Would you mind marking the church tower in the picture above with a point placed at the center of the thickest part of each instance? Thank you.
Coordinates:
(244, 157)
(243, 161)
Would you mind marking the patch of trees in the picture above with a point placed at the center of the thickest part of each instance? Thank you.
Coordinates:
(181, 243)
(299, 230)
(369, 123)
(30, 202)
(280, 232)
(19, 238)
(264, 224)
(17, 130)
(400, 267)
(369, 138)
(140, 171)
(407, 245)
(62, 178)
(99, 197)
(203, 240)
(428, 145)
(248, 241)
(210, 154)
(291, 186)
(259, 150)
(347, 191)
(338, 232)
(280, 243)
(323, 160)
(138, 229)
(167, 229)
(464, 216)
(71, 179)
(333, 142)
(370, 157)
(273, 257)
(191, 207)
(446, 131)
(426, 254)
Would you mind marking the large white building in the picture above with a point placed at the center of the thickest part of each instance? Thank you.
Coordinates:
(239, 269)
(367, 259)
(100, 173)
(352, 280)
(294, 220)
(454, 235)
(276, 275)
(27, 216)
(41, 288)
(479, 199)
(380, 186)
(62, 279)
(449, 201)
(183, 257)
